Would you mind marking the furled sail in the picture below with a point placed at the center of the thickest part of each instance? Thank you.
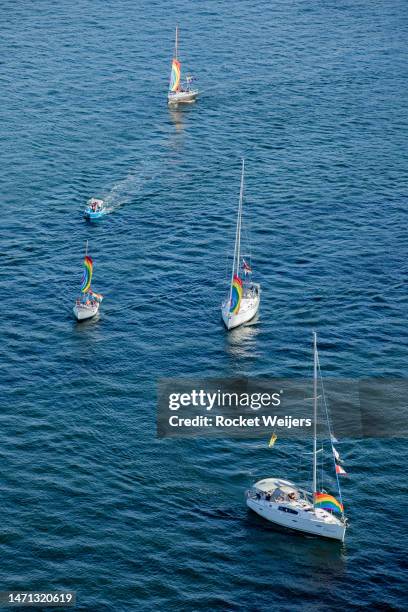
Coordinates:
(175, 76)
(87, 275)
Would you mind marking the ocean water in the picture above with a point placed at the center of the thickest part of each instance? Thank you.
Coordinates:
(314, 95)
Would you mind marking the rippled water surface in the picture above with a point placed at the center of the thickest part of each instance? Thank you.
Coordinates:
(314, 94)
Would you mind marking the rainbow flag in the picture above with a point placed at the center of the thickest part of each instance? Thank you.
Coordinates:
(175, 76)
(236, 294)
(87, 275)
(97, 296)
(327, 502)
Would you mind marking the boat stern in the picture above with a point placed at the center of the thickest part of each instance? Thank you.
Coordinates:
(82, 312)
(182, 97)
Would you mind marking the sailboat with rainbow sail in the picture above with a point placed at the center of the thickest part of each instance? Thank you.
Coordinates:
(242, 302)
(284, 503)
(180, 92)
(88, 302)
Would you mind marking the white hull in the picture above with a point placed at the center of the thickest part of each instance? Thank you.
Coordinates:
(183, 97)
(307, 522)
(82, 312)
(270, 498)
(248, 308)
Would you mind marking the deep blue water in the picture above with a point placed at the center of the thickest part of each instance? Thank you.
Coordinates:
(314, 94)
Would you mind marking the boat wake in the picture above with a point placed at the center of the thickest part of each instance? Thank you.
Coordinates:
(133, 185)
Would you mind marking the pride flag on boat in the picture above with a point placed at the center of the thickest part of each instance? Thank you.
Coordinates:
(97, 296)
(246, 267)
(327, 502)
(236, 294)
(87, 275)
(175, 76)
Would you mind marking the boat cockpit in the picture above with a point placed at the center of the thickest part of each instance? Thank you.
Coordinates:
(281, 492)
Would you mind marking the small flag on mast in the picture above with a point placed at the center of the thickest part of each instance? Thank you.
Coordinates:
(97, 296)
(339, 470)
(336, 455)
(246, 267)
(273, 439)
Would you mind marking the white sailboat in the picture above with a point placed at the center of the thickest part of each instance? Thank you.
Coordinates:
(88, 302)
(284, 503)
(180, 92)
(242, 302)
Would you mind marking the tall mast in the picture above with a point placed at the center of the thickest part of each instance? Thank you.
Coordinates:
(241, 197)
(176, 45)
(235, 264)
(314, 412)
(86, 248)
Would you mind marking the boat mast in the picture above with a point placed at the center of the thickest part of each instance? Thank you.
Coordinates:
(241, 197)
(176, 45)
(314, 413)
(331, 436)
(235, 265)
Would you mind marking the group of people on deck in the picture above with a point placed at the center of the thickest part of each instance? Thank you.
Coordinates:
(86, 300)
(277, 496)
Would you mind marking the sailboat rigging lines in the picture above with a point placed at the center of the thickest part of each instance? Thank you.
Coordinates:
(243, 299)
(284, 503)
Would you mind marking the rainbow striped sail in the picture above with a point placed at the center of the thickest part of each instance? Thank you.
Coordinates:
(236, 295)
(175, 76)
(87, 275)
(327, 502)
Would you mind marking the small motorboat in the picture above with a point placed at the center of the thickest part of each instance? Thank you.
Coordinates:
(88, 302)
(95, 209)
(180, 93)
(242, 301)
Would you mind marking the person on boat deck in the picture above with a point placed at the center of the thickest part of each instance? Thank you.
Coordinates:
(292, 496)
